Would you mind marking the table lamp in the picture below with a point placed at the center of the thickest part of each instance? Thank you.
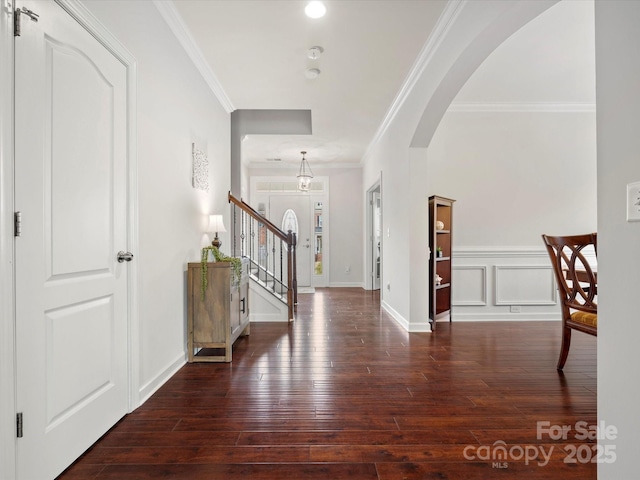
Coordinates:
(216, 226)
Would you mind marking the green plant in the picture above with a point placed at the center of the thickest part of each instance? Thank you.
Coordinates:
(218, 256)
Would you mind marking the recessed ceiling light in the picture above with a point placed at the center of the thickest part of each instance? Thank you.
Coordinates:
(314, 52)
(312, 73)
(315, 9)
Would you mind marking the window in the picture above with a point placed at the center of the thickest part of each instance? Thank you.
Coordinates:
(290, 222)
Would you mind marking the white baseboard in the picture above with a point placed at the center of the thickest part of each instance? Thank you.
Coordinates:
(504, 317)
(345, 284)
(403, 322)
(152, 386)
(423, 327)
(267, 317)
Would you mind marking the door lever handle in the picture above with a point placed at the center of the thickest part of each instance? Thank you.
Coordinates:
(124, 256)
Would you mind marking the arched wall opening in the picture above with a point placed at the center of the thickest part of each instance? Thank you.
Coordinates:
(470, 32)
(517, 150)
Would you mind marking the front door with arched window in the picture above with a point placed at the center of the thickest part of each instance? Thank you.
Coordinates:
(293, 213)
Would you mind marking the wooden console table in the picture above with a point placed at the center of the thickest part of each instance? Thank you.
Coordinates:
(216, 321)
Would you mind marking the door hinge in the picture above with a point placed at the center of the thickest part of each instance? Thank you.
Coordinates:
(17, 224)
(17, 14)
(19, 425)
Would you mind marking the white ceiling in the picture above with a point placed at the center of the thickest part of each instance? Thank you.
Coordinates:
(257, 50)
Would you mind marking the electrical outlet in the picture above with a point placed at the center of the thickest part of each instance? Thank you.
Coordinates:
(347, 269)
(515, 309)
(633, 202)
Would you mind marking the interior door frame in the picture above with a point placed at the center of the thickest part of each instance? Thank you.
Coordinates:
(376, 260)
(377, 185)
(7, 258)
(7, 307)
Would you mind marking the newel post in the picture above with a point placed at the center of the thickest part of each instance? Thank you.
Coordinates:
(295, 268)
(292, 280)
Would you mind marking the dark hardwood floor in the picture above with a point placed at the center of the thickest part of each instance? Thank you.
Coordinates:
(344, 392)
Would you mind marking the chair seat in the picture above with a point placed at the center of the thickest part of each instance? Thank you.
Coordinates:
(590, 319)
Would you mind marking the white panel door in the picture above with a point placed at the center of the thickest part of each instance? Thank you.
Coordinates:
(301, 205)
(71, 293)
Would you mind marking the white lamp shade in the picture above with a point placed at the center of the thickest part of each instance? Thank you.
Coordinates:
(216, 225)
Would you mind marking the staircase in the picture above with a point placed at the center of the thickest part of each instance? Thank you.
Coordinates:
(271, 253)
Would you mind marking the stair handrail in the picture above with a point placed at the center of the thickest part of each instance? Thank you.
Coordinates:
(249, 209)
(288, 238)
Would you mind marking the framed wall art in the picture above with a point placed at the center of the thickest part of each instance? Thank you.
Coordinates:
(200, 169)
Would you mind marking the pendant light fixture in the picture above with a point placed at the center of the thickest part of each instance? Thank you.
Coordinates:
(305, 175)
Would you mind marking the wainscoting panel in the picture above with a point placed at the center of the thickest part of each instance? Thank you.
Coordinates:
(503, 283)
(470, 285)
(524, 285)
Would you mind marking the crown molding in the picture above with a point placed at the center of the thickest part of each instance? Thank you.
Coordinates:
(499, 251)
(508, 251)
(507, 107)
(173, 18)
(444, 23)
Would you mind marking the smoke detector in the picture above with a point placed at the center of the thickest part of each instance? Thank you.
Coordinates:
(312, 73)
(314, 52)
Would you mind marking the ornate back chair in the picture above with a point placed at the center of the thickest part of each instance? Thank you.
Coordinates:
(577, 285)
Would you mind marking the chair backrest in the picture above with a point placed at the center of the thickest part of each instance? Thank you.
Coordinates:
(576, 278)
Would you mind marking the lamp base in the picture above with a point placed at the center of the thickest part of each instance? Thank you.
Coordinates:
(216, 242)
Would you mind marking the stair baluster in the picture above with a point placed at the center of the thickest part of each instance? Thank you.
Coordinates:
(253, 227)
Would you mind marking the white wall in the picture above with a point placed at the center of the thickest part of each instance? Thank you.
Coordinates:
(346, 228)
(515, 175)
(345, 218)
(618, 99)
(390, 159)
(175, 108)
